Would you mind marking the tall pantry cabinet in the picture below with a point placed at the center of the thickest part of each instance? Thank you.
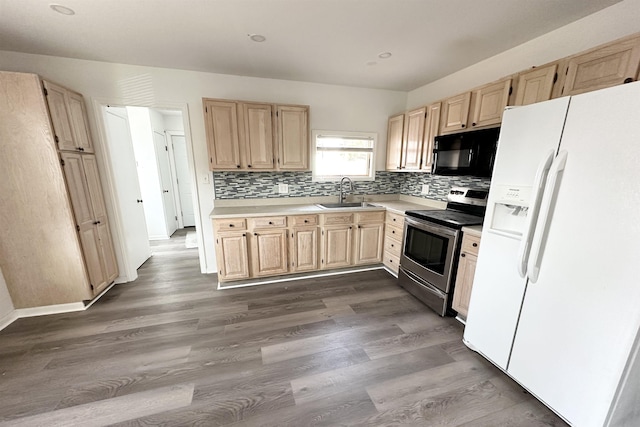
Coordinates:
(56, 246)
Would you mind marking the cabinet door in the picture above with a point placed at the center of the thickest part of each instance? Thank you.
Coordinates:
(59, 112)
(369, 243)
(394, 142)
(232, 256)
(605, 66)
(304, 249)
(221, 122)
(91, 251)
(79, 122)
(464, 283)
(489, 103)
(536, 85)
(412, 139)
(269, 252)
(432, 129)
(108, 253)
(336, 246)
(258, 135)
(292, 125)
(455, 113)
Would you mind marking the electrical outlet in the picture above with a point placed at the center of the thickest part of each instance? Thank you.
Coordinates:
(425, 189)
(283, 188)
(205, 178)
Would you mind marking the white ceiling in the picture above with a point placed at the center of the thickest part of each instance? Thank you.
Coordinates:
(324, 41)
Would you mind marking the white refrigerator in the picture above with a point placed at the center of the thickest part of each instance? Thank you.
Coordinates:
(556, 295)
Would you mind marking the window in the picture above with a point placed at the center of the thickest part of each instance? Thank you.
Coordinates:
(339, 154)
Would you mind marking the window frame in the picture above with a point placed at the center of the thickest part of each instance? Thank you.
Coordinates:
(373, 136)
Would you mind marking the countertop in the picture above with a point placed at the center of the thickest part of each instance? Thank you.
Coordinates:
(473, 230)
(397, 206)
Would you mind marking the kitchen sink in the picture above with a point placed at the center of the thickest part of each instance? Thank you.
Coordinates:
(345, 205)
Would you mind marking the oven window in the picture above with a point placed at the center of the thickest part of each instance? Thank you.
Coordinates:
(427, 249)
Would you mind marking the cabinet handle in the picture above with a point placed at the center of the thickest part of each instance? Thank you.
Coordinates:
(270, 223)
(249, 166)
(463, 125)
(462, 255)
(244, 234)
(359, 227)
(238, 166)
(231, 225)
(394, 220)
(473, 124)
(306, 221)
(393, 231)
(350, 227)
(255, 234)
(392, 245)
(628, 80)
(475, 245)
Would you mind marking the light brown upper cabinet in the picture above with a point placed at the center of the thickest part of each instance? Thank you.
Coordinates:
(608, 65)
(69, 118)
(257, 134)
(488, 103)
(292, 135)
(432, 129)
(455, 113)
(412, 139)
(395, 131)
(221, 122)
(246, 135)
(536, 85)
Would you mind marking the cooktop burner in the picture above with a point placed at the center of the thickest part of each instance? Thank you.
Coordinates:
(450, 218)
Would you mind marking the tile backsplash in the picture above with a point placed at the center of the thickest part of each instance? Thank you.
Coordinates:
(255, 185)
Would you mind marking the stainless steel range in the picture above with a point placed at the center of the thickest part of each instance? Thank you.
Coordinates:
(431, 246)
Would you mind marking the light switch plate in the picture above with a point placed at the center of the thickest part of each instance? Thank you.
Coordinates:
(205, 178)
(425, 189)
(283, 188)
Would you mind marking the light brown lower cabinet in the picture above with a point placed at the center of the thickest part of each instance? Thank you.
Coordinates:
(393, 235)
(262, 246)
(466, 272)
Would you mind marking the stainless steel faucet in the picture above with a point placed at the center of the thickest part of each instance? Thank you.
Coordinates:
(344, 178)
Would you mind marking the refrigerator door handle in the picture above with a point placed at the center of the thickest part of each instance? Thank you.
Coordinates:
(558, 165)
(534, 208)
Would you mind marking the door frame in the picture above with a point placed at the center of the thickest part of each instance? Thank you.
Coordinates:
(174, 173)
(127, 272)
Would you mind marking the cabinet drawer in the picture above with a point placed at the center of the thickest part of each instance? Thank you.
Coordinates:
(395, 219)
(370, 217)
(230, 224)
(391, 261)
(268, 222)
(302, 220)
(470, 244)
(393, 232)
(337, 218)
(392, 246)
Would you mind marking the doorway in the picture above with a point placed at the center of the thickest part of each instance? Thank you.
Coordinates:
(152, 173)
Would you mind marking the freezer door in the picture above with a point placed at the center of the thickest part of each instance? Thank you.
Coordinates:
(527, 136)
(580, 318)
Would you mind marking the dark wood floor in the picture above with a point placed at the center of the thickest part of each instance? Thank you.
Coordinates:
(169, 349)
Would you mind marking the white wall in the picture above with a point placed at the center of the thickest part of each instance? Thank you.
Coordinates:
(609, 24)
(6, 305)
(173, 123)
(332, 107)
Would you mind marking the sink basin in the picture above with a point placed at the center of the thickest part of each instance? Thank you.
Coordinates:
(344, 205)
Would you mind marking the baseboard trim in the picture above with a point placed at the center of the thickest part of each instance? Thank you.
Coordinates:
(8, 319)
(302, 276)
(45, 310)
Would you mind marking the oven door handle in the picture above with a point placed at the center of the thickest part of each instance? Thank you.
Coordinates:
(426, 225)
(424, 283)
(534, 208)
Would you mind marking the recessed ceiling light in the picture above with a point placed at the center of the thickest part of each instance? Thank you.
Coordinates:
(371, 63)
(62, 9)
(257, 37)
(384, 55)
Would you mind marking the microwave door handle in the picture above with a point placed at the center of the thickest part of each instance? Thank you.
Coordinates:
(535, 258)
(435, 161)
(534, 208)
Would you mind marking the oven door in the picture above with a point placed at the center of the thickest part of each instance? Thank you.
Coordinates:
(428, 251)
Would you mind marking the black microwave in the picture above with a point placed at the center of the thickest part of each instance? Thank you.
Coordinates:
(469, 153)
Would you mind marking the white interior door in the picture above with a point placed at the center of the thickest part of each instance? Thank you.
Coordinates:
(168, 202)
(185, 194)
(127, 188)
